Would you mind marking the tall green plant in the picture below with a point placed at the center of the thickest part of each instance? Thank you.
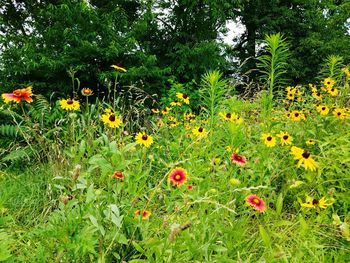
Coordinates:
(212, 92)
(272, 64)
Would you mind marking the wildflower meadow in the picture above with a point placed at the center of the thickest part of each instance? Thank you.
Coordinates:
(220, 173)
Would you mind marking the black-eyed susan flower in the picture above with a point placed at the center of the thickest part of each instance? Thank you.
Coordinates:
(227, 116)
(188, 116)
(322, 110)
(86, 92)
(110, 119)
(328, 82)
(268, 139)
(333, 91)
(313, 88)
(178, 176)
(199, 132)
(144, 213)
(311, 202)
(285, 138)
(317, 95)
(304, 158)
(119, 175)
(119, 68)
(238, 119)
(69, 104)
(143, 139)
(183, 97)
(256, 202)
(310, 142)
(18, 95)
(340, 113)
(175, 103)
(297, 115)
(346, 71)
(165, 111)
(240, 160)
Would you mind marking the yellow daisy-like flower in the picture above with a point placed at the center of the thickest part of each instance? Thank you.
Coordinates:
(119, 68)
(227, 116)
(268, 139)
(340, 113)
(286, 139)
(189, 116)
(143, 139)
(332, 91)
(110, 119)
(175, 103)
(310, 142)
(199, 132)
(238, 119)
(291, 90)
(328, 82)
(313, 88)
(317, 95)
(166, 111)
(69, 104)
(297, 115)
(311, 202)
(183, 97)
(304, 158)
(346, 71)
(155, 110)
(322, 110)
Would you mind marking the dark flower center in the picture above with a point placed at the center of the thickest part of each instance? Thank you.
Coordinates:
(328, 82)
(269, 138)
(69, 102)
(285, 137)
(318, 94)
(185, 96)
(339, 113)
(228, 115)
(200, 129)
(144, 137)
(315, 202)
(296, 114)
(323, 108)
(332, 90)
(112, 117)
(306, 154)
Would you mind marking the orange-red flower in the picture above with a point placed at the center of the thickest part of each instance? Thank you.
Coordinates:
(18, 95)
(118, 175)
(256, 202)
(240, 160)
(178, 176)
(145, 214)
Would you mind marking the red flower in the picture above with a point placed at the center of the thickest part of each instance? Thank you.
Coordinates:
(190, 187)
(240, 160)
(256, 202)
(145, 214)
(18, 95)
(178, 176)
(118, 175)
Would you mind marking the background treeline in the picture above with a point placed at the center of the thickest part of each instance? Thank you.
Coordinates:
(159, 42)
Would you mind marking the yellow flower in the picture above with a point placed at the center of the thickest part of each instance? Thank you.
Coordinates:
(286, 139)
(332, 91)
(297, 115)
(189, 116)
(228, 149)
(311, 202)
(328, 82)
(310, 142)
(227, 116)
(155, 110)
(340, 113)
(317, 95)
(234, 181)
(199, 132)
(121, 69)
(346, 71)
(268, 139)
(183, 97)
(165, 111)
(322, 109)
(69, 104)
(313, 88)
(304, 158)
(175, 103)
(110, 119)
(144, 139)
